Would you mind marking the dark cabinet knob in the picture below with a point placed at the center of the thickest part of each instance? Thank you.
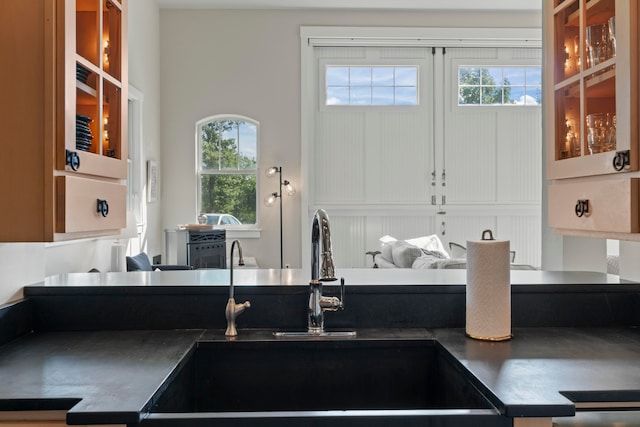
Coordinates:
(73, 160)
(582, 208)
(103, 207)
(621, 160)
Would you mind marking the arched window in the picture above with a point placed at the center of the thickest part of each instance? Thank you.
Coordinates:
(227, 170)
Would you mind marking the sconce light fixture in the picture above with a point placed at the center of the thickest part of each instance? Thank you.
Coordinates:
(285, 188)
(106, 51)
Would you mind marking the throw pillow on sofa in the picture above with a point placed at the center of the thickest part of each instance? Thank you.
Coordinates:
(403, 253)
(430, 243)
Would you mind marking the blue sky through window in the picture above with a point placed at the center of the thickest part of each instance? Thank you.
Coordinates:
(371, 85)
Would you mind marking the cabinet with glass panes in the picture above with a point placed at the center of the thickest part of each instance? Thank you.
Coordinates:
(591, 116)
(66, 117)
(591, 96)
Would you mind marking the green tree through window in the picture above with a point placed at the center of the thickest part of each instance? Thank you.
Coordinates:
(515, 85)
(228, 167)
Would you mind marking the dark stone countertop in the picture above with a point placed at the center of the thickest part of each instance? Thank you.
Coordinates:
(112, 376)
(129, 339)
(100, 377)
(544, 371)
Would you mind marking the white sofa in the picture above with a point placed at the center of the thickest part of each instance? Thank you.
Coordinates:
(426, 252)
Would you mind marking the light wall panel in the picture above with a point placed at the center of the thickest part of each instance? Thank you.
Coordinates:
(519, 156)
(339, 163)
(404, 159)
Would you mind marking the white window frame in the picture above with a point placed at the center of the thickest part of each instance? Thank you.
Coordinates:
(322, 68)
(480, 63)
(244, 231)
(381, 63)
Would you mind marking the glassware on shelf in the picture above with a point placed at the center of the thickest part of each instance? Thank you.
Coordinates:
(612, 36)
(597, 44)
(601, 128)
(572, 56)
(596, 132)
(572, 141)
(576, 52)
(610, 144)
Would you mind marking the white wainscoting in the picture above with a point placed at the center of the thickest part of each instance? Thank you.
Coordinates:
(354, 231)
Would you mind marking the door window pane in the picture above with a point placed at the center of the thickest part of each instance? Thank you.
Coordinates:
(499, 85)
(371, 85)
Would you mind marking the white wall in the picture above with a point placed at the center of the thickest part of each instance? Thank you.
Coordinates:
(144, 75)
(247, 62)
(25, 263)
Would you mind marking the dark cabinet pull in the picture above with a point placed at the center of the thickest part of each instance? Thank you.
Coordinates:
(103, 207)
(73, 160)
(582, 207)
(621, 159)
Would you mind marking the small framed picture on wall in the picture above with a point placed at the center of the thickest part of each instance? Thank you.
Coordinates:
(152, 181)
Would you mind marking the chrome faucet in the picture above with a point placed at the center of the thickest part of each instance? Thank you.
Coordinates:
(322, 270)
(233, 310)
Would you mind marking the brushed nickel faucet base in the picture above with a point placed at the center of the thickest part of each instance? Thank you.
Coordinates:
(323, 334)
(322, 270)
(233, 310)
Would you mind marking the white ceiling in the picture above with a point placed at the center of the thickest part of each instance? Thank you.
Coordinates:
(468, 5)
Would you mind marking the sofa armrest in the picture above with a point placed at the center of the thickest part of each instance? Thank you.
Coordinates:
(384, 263)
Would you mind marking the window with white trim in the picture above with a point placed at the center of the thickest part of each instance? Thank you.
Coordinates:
(499, 85)
(227, 167)
(371, 85)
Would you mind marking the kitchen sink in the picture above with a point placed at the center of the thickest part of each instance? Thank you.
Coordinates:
(340, 382)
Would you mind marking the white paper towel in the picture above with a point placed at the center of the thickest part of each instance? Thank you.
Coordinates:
(118, 256)
(488, 293)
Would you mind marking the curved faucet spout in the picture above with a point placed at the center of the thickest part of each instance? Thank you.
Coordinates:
(232, 309)
(321, 233)
(240, 262)
(321, 272)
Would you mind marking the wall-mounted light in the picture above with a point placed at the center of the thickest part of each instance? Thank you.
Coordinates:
(105, 127)
(270, 200)
(107, 51)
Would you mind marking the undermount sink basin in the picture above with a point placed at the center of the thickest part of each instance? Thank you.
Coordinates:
(406, 382)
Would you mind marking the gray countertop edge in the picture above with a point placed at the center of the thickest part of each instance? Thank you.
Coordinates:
(358, 279)
(217, 289)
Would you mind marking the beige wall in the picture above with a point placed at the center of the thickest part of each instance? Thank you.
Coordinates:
(247, 62)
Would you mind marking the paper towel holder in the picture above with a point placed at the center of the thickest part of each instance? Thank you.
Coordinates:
(485, 232)
(483, 321)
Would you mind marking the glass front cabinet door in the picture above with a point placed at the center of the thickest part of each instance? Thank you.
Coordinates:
(591, 104)
(94, 71)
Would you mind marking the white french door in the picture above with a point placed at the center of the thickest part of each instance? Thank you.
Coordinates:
(432, 168)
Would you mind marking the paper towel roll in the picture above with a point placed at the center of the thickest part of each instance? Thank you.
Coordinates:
(118, 256)
(488, 293)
